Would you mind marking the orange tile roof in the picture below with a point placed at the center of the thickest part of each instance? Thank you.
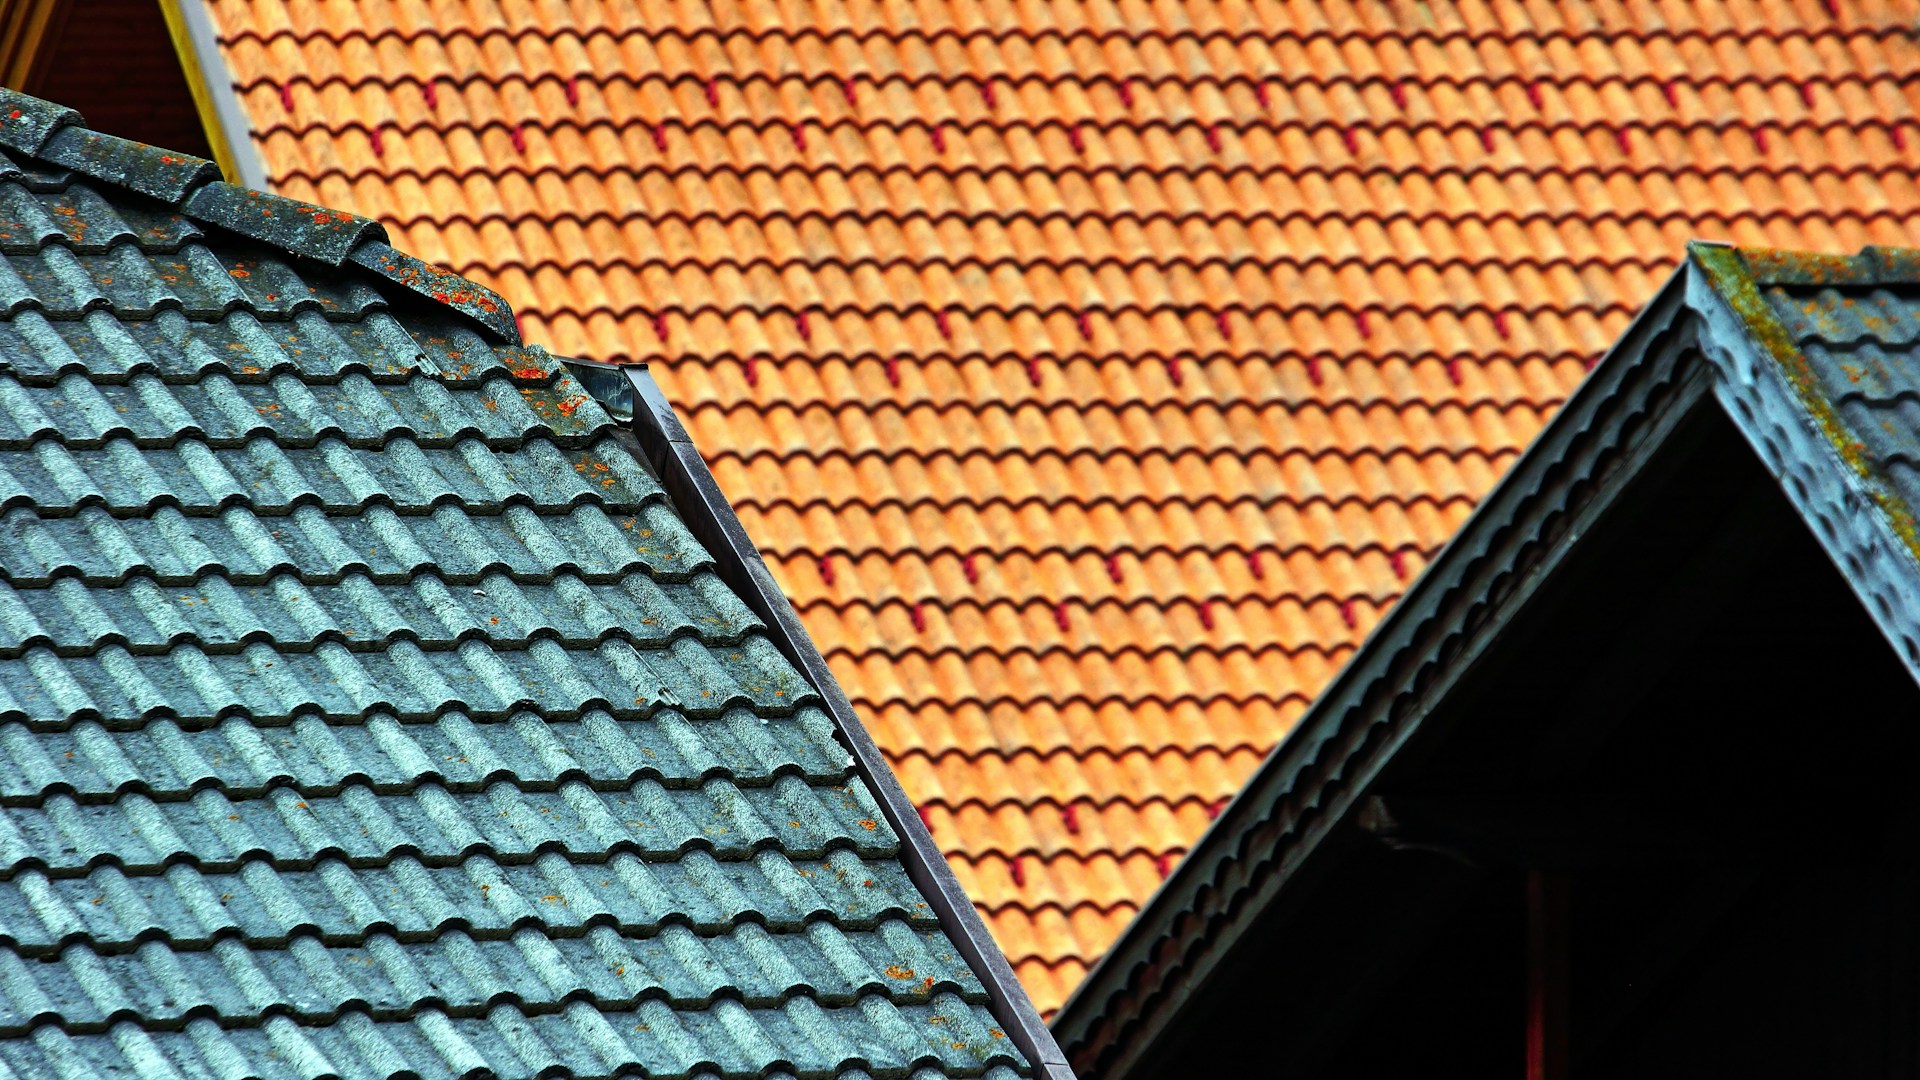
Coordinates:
(1094, 373)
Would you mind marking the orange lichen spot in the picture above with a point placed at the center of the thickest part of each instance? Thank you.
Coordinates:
(869, 824)
(895, 971)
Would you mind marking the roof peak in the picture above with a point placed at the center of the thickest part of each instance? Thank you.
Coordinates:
(54, 135)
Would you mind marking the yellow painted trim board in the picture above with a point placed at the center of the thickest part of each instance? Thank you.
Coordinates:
(200, 61)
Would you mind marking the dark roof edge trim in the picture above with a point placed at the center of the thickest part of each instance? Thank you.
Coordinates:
(1848, 508)
(709, 515)
(198, 48)
(1334, 749)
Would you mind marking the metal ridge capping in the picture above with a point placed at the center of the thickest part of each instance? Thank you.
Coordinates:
(711, 519)
(58, 136)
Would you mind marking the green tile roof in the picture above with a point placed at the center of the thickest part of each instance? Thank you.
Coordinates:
(367, 708)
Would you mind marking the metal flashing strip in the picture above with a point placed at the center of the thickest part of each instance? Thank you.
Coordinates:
(228, 130)
(1288, 799)
(710, 517)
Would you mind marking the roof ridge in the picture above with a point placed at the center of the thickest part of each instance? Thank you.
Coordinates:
(55, 135)
(1872, 265)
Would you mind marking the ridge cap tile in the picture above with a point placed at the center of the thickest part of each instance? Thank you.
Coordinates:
(303, 228)
(460, 293)
(150, 170)
(27, 122)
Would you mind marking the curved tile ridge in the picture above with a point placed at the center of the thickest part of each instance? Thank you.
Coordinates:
(57, 136)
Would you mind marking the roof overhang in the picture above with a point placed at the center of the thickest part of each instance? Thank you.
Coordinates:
(1708, 338)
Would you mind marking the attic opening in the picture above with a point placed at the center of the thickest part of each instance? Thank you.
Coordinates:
(116, 61)
(1697, 739)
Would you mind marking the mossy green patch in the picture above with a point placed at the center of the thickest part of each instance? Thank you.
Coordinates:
(1736, 275)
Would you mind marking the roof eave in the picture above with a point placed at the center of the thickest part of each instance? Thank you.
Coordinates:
(711, 518)
(1392, 679)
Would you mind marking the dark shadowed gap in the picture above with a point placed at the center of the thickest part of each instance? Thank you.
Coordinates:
(114, 61)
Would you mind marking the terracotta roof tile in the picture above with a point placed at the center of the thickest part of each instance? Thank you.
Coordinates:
(1095, 373)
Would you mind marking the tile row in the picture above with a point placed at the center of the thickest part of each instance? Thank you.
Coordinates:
(244, 759)
(1086, 802)
(1095, 599)
(1327, 330)
(315, 982)
(195, 687)
(1506, 223)
(144, 834)
(319, 546)
(42, 352)
(1165, 171)
(1073, 213)
(971, 729)
(609, 83)
(80, 413)
(191, 907)
(1022, 24)
(216, 616)
(1262, 547)
(948, 1037)
(976, 381)
(860, 429)
(1080, 630)
(1016, 476)
(202, 478)
(1166, 677)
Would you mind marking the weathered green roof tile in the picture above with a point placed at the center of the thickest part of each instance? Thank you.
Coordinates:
(316, 232)
(26, 123)
(444, 286)
(166, 175)
(367, 707)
